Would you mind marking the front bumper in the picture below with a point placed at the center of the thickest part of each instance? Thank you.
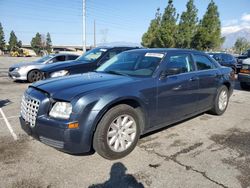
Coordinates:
(48, 132)
(17, 76)
(244, 78)
(55, 132)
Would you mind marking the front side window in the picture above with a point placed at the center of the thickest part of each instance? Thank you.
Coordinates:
(217, 57)
(109, 55)
(226, 58)
(138, 63)
(182, 62)
(203, 63)
(72, 57)
(92, 55)
(60, 58)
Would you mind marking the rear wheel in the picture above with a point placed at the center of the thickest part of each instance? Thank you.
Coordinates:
(221, 101)
(34, 75)
(244, 85)
(117, 133)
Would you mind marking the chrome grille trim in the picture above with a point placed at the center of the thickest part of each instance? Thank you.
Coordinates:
(29, 109)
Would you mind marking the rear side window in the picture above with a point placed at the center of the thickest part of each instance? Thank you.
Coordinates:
(203, 62)
(182, 61)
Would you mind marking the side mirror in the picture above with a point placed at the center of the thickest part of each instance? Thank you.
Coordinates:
(170, 71)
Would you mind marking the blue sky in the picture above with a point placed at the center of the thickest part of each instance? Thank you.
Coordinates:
(115, 20)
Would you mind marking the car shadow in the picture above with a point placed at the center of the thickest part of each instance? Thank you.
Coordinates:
(21, 81)
(119, 178)
(4, 102)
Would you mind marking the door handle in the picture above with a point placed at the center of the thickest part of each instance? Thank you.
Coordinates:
(193, 79)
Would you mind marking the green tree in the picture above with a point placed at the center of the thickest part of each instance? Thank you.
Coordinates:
(241, 45)
(167, 33)
(149, 39)
(13, 42)
(36, 43)
(48, 43)
(187, 26)
(208, 35)
(2, 40)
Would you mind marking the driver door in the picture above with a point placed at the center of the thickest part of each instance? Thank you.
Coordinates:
(177, 93)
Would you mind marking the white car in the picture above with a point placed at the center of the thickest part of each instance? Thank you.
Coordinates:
(31, 71)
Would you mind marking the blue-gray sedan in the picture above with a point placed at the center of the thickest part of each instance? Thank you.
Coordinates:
(133, 93)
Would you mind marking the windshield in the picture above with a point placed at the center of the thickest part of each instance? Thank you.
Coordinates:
(44, 58)
(92, 55)
(138, 63)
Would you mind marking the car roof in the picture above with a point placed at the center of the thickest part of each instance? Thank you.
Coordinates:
(112, 47)
(219, 53)
(165, 50)
(59, 54)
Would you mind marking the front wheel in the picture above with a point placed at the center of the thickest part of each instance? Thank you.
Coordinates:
(34, 76)
(117, 133)
(221, 101)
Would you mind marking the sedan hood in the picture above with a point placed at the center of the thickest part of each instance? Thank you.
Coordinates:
(60, 65)
(66, 88)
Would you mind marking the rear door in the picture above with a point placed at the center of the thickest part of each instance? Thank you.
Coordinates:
(208, 76)
(177, 94)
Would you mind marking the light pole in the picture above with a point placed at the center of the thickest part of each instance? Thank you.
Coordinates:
(84, 26)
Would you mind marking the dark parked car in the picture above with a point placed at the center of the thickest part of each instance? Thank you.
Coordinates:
(226, 60)
(244, 74)
(31, 71)
(133, 93)
(89, 61)
(241, 57)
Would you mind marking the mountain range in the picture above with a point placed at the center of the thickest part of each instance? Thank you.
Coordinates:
(232, 37)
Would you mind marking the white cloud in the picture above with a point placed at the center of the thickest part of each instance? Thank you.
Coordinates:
(230, 29)
(234, 25)
(245, 17)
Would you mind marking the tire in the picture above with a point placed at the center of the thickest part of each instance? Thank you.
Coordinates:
(244, 86)
(34, 76)
(117, 145)
(221, 101)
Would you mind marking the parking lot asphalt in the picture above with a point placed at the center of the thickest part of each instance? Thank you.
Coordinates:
(204, 151)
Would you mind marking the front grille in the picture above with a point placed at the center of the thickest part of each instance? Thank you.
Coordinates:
(29, 109)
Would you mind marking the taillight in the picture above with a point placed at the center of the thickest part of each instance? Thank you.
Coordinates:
(246, 71)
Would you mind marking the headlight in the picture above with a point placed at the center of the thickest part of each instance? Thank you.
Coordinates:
(59, 73)
(61, 110)
(16, 69)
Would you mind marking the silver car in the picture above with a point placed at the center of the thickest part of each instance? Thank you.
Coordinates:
(31, 71)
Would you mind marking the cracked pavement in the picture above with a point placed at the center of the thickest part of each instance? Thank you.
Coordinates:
(204, 151)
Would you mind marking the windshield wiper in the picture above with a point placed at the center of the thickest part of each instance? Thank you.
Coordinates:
(115, 72)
